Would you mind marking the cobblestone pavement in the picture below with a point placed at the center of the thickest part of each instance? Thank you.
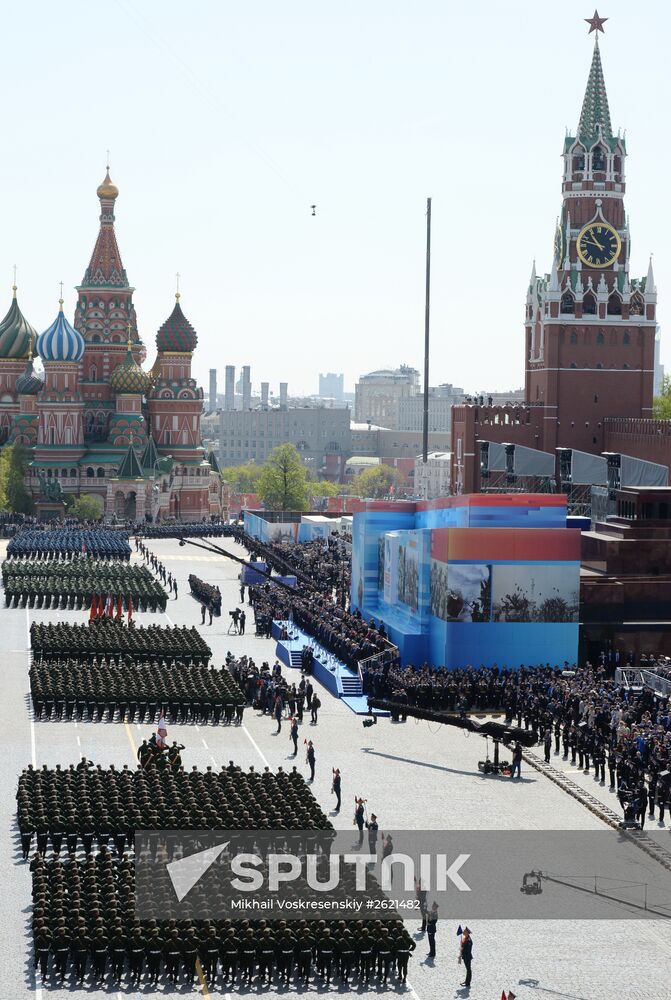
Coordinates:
(414, 775)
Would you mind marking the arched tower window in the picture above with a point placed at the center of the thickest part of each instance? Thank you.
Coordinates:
(614, 305)
(600, 337)
(589, 305)
(574, 337)
(598, 158)
(636, 305)
(578, 159)
(567, 304)
(627, 338)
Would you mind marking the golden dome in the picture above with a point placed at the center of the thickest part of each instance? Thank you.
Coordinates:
(107, 189)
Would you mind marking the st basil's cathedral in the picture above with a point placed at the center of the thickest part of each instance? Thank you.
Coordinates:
(95, 423)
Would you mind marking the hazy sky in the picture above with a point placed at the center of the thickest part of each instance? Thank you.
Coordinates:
(227, 120)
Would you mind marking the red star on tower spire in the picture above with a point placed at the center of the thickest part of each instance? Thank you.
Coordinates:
(595, 22)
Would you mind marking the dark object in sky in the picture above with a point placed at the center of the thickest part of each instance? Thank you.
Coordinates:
(314, 209)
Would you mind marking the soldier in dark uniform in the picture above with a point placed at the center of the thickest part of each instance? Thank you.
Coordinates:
(346, 955)
(384, 955)
(136, 953)
(154, 954)
(42, 948)
(266, 956)
(366, 947)
(60, 947)
(431, 926)
(99, 950)
(248, 955)
(285, 956)
(325, 955)
(172, 951)
(404, 946)
(118, 949)
(304, 946)
(79, 949)
(209, 956)
(190, 955)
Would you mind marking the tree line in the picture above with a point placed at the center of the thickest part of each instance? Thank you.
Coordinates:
(284, 483)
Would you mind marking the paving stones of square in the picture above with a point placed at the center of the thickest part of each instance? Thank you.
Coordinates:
(414, 776)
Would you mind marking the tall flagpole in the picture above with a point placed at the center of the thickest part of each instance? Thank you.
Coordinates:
(425, 422)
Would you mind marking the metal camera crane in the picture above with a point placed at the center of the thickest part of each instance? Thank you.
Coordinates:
(496, 731)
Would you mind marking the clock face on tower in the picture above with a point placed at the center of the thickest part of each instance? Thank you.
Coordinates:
(598, 245)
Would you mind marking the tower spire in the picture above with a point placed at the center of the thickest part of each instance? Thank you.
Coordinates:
(595, 114)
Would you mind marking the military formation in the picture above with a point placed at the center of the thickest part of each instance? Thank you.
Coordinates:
(106, 638)
(66, 689)
(65, 808)
(35, 584)
(205, 593)
(85, 925)
(63, 543)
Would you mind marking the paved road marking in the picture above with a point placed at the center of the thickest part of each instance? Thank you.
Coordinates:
(255, 745)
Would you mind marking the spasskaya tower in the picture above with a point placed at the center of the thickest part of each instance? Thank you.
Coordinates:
(590, 327)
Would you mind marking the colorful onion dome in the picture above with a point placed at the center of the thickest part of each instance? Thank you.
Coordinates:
(129, 377)
(61, 342)
(107, 190)
(176, 336)
(16, 334)
(29, 382)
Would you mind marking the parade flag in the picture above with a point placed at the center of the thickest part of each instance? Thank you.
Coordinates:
(101, 606)
(130, 607)
(459, 930)
(511, 995)
(108, 606)
(94, 608)
(119, 607)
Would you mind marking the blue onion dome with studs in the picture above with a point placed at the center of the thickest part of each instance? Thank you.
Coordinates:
(129, 377)
(29, 382)
(16, 333)
(61, 342)
(176, 336)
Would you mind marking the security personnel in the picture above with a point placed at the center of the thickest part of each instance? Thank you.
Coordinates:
(431, 926)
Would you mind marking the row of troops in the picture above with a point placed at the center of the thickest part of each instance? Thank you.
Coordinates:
(85, 912)
(66, 689)
(107, 638)
(87, 805)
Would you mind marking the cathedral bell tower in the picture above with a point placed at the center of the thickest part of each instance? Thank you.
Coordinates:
(590, 327)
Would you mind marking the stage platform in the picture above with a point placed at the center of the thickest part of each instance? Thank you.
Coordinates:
(327, 669)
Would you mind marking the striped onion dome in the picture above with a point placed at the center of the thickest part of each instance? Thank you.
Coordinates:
(16, 334)
(61, 342)
(129, 377)
(29, 382)
(176, 336)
